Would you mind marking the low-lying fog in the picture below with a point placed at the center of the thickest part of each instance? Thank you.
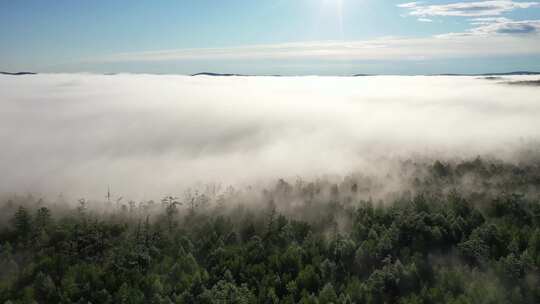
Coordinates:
(148, 135)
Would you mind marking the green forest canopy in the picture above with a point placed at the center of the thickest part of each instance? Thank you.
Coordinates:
(460, 232)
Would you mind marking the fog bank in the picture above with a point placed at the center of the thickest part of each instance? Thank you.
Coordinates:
(148, 135)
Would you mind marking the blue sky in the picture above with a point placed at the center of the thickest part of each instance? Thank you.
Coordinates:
(327, 37)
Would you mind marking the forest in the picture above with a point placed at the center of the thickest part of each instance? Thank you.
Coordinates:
(453, 231)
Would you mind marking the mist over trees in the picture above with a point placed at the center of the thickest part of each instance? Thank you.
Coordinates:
(458, 232)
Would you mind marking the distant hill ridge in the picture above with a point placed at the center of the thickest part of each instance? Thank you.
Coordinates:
(364, 75)
(217, 74)
(18, 73)
(493, 74)
(354, 75)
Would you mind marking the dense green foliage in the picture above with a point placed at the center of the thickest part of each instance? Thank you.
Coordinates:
(466, 232)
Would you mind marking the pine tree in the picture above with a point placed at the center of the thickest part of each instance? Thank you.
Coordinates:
(22, 223)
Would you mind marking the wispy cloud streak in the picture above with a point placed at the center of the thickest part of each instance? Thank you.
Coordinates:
(389, 48)
(466, 9)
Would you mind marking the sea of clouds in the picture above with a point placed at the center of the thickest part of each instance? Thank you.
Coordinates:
(149, 135)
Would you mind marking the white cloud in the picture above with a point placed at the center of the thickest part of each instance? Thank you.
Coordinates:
(466, 9)
(500, 26)
(486, 22)
(409, 5)
(505, 26)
